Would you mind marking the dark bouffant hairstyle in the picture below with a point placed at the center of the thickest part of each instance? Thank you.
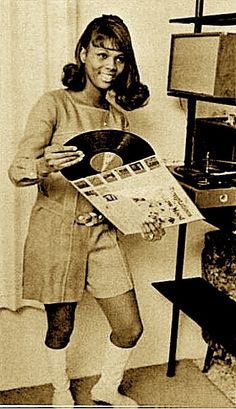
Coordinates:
(130, 92)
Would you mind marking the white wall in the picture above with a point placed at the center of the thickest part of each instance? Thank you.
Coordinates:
(163, 123)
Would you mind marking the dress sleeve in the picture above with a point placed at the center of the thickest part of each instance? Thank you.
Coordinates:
(26, 168)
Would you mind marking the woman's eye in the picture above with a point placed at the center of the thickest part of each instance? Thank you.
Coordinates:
(120, 59)
(103, 56)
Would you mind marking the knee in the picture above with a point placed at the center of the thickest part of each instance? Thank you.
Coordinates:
(129, 336)
(136, 333)
(58, 338)
(60, 319)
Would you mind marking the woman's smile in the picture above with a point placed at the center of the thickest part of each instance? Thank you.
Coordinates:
(106, 77)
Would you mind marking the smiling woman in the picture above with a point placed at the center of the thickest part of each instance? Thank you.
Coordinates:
(103, 64)
(64, 254)
(109, 39)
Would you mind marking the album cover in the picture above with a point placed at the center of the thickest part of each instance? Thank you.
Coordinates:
(127, 181)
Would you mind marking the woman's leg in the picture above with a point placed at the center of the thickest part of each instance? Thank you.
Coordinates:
(123, 316)
(60, 319)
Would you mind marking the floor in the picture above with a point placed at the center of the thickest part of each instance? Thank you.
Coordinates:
(150, 386)
(223, 374)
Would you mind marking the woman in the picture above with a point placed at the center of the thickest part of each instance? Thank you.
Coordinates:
(70, 247)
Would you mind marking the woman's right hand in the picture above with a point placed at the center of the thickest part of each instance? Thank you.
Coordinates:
(57, 157)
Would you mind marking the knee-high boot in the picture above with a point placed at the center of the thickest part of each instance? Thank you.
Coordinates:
(57, 368)
(106, 389)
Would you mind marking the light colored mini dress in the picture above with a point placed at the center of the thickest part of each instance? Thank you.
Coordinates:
(61, 257)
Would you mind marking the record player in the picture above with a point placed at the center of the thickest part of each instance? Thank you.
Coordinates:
(208, 174)
(210, 179)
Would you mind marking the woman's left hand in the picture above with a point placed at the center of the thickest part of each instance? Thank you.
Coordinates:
(151, 229)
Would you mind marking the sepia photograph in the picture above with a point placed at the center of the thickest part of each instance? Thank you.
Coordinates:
(118, 204)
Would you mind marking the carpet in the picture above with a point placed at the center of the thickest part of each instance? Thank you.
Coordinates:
(149, 386)
(223, 374)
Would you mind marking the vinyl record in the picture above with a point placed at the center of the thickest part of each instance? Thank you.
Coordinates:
(105, 150)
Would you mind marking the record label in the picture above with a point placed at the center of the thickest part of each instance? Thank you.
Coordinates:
(103, 161)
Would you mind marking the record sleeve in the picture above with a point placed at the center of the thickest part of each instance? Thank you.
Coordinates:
(125, 180)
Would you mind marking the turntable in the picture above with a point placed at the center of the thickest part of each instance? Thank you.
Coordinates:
(209, 183)
(208, 174)
(210, 179)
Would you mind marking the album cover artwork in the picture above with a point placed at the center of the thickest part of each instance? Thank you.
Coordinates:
(123, 177)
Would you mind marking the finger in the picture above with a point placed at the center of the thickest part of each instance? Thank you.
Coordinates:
(53, 156)
(155, 223)
(149, 227)
(145, 228)
(156, 228)
(151, 232)
(148, 236)
(151, 237)
(153, 227)
(57, 147)
(79, 154)
(146, 233)
(70, 163)
(59, 164)
(72, 149)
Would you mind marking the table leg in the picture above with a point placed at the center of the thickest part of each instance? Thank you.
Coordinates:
(175, 310)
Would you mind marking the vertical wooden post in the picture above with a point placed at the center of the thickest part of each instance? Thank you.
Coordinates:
(190, 131)
(175, 308)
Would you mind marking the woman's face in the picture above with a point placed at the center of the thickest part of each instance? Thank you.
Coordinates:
(103, 64)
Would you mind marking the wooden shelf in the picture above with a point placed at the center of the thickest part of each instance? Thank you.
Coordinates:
(208, 307)
(202, 97)
(226, 19)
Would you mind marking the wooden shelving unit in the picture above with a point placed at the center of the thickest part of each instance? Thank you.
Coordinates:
(198, 299)
(212, 310)
(218, 100)
(226, 19)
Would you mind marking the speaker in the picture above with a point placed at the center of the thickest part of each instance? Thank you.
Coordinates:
(203, 64)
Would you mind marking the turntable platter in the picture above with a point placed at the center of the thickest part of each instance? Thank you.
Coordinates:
(214, 175)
